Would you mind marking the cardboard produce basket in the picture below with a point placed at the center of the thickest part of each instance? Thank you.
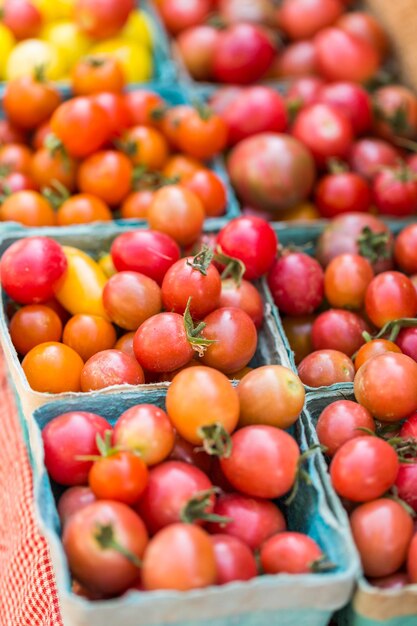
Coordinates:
(302, 600)
(370, 606)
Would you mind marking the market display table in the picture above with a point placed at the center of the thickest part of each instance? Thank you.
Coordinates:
(27, 583)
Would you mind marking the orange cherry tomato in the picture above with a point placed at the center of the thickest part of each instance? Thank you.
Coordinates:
(177, 212)
(373, 348)
(182, 167)
(171, 122)
(53, 368)
(30, 100)
(83, 208)
(107, 175)
(122, 476)
(346, 280)
(34, 324)
(137, 204)
(201, 135)
(28, 208)
(88, 334)
(97, 73)
(145, 107)
(146, 146)
(302, 212)
(125, 343)
(16, 157)
(46, 167)
(211, 191)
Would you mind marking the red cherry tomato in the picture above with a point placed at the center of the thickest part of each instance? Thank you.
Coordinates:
(341, 421)
(395, 191)
(122, 476)
(72, 500)
(302, 19)
(390, 296)
(340, 330)
(234, 560)
(244, 296)
(178, 16)
(405, 249)
(346, 280)
(369, 155)
(351, 100)
(110, 367)
(326, 367)
(291, 553)
(342, 192)
(130, 298)
(102, 19)
(412, 560)
(296, 282)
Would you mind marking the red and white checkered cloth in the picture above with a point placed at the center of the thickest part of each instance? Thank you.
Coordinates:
(28, 595)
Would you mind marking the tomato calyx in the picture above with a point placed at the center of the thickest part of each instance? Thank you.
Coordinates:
(143, 178)
(373, 246)
(337, 166)
(196, 509)
(216, 440)
(397, 120)
(104, 447)
(203, 110)
(392, 329)
(202, 260)
(55, 147)
(234, 268)
(301, 474)
(197, 342)
(321, 565)
(95, 60)
(106, 539)
(56, 194)
(39, 73)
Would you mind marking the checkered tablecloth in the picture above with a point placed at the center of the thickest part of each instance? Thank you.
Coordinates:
(28, 594)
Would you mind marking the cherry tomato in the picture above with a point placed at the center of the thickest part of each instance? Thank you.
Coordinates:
(182, 167)
(304, 90)
(146, 146)
(178, 16)
(373, 348)
(251, 240)
(297, 59)
(352, 100)
(31, 269)
(346, 280)
(396, 112)
(196, 46)
(125, 344)
(339, 330)
(252, 520)
(211, 392)
(16, 157)
(22, 17)
(145, 107)
(88, 334)
(34, 324)
(382, 531)
(366, 27)
(395, 191)
(83, 208)
(146, 430)
(136, 204)
(47, 168)
(72, 500)
(296, 282)
(386, 386)
(29, 101)
(406, 484)
(172, 485)
(28, 208)
(369, 155)
(243, 296)
(290, 553)
(234, 560)
(110, 367)
(117, 112)
(298, 332)
(100, 567)
(275, 475)
(67, 437)
(342, 193)
(161, 343)
(270, 395)
(390, 296)
(208, 186)
(10, 133)
(107, 175)
(177, 212)
(407, 342)
(405, 250)
(95, 74)
(326, 367)
(101, 20)
(302, 19)
(341, 421)
(82, 125)
(180, 557)
(130, 298)
(122, 476)
(201, 135)
(145, 251)
(52, 367)
(185, 451)
(16, 181)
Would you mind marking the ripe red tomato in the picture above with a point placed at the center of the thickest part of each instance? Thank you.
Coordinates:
(291, 553)
(341, 421)
(274, 472)
(184, 280)
(382, 531)
(210, 188)
(178, 15)
(106, 174)
(255, 110)
(21, 17)
(251, 240)
(235, 337)
(130, 298)
(343, 56)
(82, 125)
(122, 476)
(31, 269)
(302, 19)
(196, 46)
(29, 101)
(145, 107)
(145, 251)
(244, 296)
(352, 100)
(110, 367)
(372, 348)
(177, 212)
(234, 560)
(72, 500)
(16, 181)
(34, 324)
(243, 54)
(390, 296)
(252, 520)
(67, 437)
(147, 430)
(15, 157)
(395, 191)
(88, 541)
(405, 249)
(396, 112)
(406, 484)
(326, 367)
(115, 106)
(407, 342)
(325, 131)
(387, 386)
(173, 491)
(296, 282)
(346, 280)
(297, 59)
(366, 27)
(340, 330)
(254, 11)
(102, 19)
(369, 155)
(10, 133)
(180, 557)
(342, 192)
(304, 90)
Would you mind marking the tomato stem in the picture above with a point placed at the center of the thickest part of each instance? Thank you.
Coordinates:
(202, 260)
(393, 328)
(56, 194)
(322, 564)
(373, 246)
(301, 474)
(195, 509)
(198, 343)
(216, 440)
(106, 540)
(393, 495)
(142, 179)
(235, 268)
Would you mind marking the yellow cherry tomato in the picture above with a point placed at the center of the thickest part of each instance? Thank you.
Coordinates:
(135, 59)
(106, 264)
(7, 42)
(82, 287)
(68, 39)
(55, 9)
(138, 29)
(302, 212)
(32, 53)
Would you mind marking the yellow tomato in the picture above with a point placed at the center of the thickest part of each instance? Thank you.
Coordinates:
(68, 39)
(138, 29)
(135, 59)
(7, 42)
(302, 212)
(106, 264)
(55, 9)
(32, 53)
(82, 287)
